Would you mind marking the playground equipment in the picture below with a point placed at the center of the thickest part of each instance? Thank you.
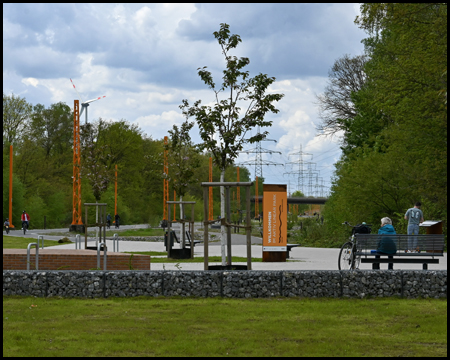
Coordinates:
(180, 253)
(227, 222)
(101, 223)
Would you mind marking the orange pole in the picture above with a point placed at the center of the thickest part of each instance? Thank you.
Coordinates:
(10, 185)
(210, 204)
(174, 207)
(76, 196)
(238, 191)
(256, 199)
(115, 194)
(166, 181)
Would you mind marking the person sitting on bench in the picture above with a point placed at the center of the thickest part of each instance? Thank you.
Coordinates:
(386, 246)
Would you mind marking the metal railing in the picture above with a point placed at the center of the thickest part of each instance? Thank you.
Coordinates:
(41, 237)
(37, 255)
(116, 238)
(104, 255)
(78, 242)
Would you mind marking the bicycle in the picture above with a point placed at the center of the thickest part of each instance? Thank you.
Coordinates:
(108, 224)
(24, 227)
(348, 258)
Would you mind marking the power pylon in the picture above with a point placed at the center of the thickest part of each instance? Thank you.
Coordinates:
(258, 161)
(300, 172)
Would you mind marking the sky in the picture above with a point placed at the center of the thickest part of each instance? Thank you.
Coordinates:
(144, 58)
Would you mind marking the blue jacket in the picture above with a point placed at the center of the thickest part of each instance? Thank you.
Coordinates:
(386, 245)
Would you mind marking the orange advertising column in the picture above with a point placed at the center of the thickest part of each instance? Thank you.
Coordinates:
(274, 223)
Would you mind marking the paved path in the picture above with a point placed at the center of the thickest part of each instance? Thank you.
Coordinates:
(301, 258)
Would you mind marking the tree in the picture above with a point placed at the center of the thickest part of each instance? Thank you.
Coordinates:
(16, 112)
(336, 105)
(223, 128)
(183, 159)
(52, 128)
(94, 164)
(396, 145)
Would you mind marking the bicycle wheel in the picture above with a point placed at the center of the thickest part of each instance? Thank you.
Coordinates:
(24, 228)
(345, 260)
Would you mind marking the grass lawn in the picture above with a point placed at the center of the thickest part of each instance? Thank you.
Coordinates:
(13, 242)
(224, 327)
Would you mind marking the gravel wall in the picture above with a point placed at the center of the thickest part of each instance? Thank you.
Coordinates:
(231, 284)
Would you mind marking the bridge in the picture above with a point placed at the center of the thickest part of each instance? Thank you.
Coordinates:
(297, 200)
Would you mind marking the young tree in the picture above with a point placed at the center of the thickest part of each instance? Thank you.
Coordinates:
(223, 128)
(183, 159)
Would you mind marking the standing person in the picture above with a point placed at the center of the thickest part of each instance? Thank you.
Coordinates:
(25, 219)
(116, 219)
(386, 245)
(415, 217)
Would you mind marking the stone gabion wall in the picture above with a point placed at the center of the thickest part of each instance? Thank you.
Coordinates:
(230, 284)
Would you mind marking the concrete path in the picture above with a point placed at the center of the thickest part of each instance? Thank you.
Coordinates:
(301, 258)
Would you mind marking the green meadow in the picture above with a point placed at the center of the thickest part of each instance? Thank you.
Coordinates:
(224, 327)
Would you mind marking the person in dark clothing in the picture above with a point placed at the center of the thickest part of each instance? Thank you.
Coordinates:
(386, 245)
(117, 220)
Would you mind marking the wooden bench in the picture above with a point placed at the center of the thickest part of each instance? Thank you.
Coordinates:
(426, 249)
(188, 242)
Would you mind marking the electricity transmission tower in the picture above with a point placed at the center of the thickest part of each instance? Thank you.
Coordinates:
(301, 168)
(258, 160)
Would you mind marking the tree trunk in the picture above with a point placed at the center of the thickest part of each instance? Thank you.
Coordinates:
(223, 231)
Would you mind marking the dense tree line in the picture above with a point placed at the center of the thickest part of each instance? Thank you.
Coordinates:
(42, 140)
(391, 107)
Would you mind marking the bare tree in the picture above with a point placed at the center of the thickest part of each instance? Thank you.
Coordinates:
(335, 105)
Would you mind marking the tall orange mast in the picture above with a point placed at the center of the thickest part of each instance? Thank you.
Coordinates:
(76, 211)
(11, 226)
(115, 194)
(210, 210)
(166, 181)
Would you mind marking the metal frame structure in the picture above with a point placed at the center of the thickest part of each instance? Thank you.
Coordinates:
(183, 226)
(227, 221)
(101, 222)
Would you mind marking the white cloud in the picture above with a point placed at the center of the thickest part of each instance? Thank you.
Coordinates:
(144, 57)
(30, 81)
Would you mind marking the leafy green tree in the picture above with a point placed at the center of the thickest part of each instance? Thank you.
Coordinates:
(16, 113)
(395, 149)
(223, 128)
(52, 128)
(183, 160)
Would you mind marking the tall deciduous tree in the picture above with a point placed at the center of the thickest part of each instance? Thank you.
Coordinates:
(223, 127)
(336, 105)
(16, 112)
(398, 139)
